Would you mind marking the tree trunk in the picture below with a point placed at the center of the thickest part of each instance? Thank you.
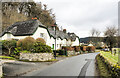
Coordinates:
(111, 47)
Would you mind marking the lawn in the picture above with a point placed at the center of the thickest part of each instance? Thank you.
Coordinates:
(7, 57)
(113, 59)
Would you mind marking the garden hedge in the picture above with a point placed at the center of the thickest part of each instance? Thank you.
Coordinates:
(114, 70)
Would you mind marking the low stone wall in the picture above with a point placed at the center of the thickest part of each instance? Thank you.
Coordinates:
(0, 69)
(36, 56)
(70, 53)
(77, 53)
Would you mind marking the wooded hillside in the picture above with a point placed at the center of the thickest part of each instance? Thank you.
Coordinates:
(21, 11)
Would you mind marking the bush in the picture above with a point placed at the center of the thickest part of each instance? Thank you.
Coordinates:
(26, 43)
(41, 48)
(99, 48)
(17, 51)
(9, 44)
(84, 48)
(40, 40)
(60, 52)
(113, 69)
(68, 48)
(90, 49)
(77, 48)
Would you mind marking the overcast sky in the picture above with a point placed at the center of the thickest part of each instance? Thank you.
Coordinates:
(80, 16)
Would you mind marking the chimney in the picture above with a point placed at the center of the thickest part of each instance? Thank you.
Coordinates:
(64, 30)
(35, 18)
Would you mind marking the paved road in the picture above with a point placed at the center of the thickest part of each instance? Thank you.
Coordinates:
(18, 68)
(81, 65)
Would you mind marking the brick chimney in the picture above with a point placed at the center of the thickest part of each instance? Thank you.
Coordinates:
(64, 30)
(35, 18)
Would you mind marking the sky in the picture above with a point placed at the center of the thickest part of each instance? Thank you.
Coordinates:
(80, 16)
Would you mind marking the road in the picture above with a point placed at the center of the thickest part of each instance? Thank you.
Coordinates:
(18, 68)
(81, 65)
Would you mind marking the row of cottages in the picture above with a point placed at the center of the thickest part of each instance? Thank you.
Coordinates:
(35, 29)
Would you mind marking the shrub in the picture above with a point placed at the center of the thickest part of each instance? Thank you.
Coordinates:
(41, 48)
(68, 48)
(84, 48)
(26, 43)
(60, 52)
(9, 44)
(40, 40)
(99, 48)
(17, 51)
(77, 48)
(90, 48)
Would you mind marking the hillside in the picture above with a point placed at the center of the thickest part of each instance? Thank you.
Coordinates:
(21, 11)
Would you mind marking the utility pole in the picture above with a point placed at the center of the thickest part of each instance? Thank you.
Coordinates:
(55, 38)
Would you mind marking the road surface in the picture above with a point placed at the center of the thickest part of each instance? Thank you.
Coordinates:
(81, 65)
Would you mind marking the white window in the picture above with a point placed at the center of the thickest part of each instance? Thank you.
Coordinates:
(8, 36)
(41, 34)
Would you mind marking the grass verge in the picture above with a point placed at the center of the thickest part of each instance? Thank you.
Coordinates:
(101, 67)
(7, 57)
(113, 59)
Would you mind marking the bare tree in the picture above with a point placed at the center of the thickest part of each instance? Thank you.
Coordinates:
(45, 6)
(111, 31)
(97, 33)
(92, 32)
(110, 36)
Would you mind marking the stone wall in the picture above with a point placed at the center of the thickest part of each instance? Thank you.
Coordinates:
(70, 53)
(36, 56)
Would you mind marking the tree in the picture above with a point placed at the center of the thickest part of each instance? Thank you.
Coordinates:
(9, 44)
(20, 11)
(26, 43)
(41, 48)
(97, 33)
(110, 31)
(110, 36)
(92, 32)
(118, 39)
(40, 40)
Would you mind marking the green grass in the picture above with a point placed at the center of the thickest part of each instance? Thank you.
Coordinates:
(52, 60)
(7, 57)
(101, 67)
(113, 59)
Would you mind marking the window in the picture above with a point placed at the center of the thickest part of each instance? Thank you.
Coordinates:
(41, 34)
(8, 36)
(60, 45)
(57, 45)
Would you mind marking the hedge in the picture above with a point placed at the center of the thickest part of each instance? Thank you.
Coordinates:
(114, 70)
